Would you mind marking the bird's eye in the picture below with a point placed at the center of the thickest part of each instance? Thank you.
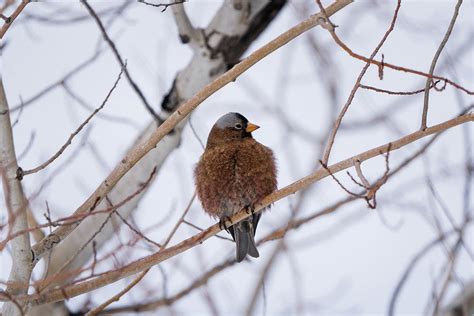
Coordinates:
(238, 126)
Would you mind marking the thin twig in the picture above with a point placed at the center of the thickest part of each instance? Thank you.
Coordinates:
(180, 221)
(69, 91)
(325, 167)
(395, 67)
(337, 123)
(113, 211)
(9, 298)
(77, 131)
(163, 5)
(359, 172)
(117, 297)
(433, 64)
(9, 20)
(22, 106)
(201, 229)
(136, 231)
(195, 133)
(120, 60)
(261, 280)
(432, 85)
(418, 256)
(58, 82)
(370, 189)
(452, 257)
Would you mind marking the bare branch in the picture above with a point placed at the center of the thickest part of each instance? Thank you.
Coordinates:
(254, 296)
(330, 28)
(395, 67)
(17, 206)
(432, 85)
(74, 134)
(448, 275)
(10, 299)
(117, 297)
(340, 184)
(424, 115)
(9, 20)
(69, 91)
(147, 262)
(414, 261)
(162, 5)
(59, 82)
(111, 211)
(370, 189)
(275, 235)
(120, 60)
(187, 32)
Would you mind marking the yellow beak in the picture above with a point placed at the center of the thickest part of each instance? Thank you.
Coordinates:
(251, 127)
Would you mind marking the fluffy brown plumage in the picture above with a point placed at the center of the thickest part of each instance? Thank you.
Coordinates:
(234, 172)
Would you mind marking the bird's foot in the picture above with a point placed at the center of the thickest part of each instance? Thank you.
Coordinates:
(223, 225)
(250, 209)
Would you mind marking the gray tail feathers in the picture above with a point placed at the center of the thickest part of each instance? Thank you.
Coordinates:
(243, 234)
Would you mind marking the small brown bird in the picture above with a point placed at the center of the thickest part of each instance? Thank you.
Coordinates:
(235, 172)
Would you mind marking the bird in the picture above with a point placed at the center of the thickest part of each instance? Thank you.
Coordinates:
(234, 173)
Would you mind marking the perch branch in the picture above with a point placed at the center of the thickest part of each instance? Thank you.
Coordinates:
(147, 262)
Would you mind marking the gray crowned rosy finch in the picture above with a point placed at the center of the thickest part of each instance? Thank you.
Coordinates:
(235, 172)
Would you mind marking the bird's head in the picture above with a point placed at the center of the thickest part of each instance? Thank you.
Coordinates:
(229, 127)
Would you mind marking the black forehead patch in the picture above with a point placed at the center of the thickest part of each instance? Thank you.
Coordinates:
(241, 117)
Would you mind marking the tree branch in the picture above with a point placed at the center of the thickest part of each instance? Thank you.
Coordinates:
(74, 134)
(433, 64)
(17, 206)
(122, 63)
(162, 5)
(384, 64)
(337, 123)
(276, 234)
(187, 32)
(413, 262)
(147, 262)
(8, 21)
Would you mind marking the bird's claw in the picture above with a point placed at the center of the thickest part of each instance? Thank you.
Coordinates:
(250, 209)
(223, 225)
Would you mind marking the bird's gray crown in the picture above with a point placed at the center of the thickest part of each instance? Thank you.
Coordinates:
(230, 119)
